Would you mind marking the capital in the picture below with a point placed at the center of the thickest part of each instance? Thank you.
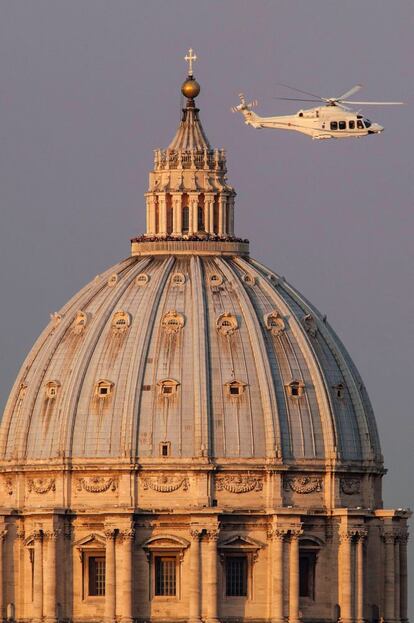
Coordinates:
(388, 537)
(127, 535)
(213, 535)
(110, 534)
(195, 533)
(276, 534)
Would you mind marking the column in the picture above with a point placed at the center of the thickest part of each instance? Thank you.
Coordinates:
(277, 584)
(110, 579)
(126, 605)
(389, 572)
(360, 577)
(3, 534)
(209, 201)
(195, 601)
(150, 199)
(38, 575)
(397, 579)
(193, 209)
(345, 575)
(294, 576)
(403, 578)
(50, 577)
(222, 216)
(211, 576)
(177, 215)
(230, 224)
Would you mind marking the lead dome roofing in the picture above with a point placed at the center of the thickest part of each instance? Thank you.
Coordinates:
(202, 418)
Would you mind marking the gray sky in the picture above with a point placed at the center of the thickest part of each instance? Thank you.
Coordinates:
(89, 87)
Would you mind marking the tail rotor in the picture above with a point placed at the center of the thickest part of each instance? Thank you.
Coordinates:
(243, 106)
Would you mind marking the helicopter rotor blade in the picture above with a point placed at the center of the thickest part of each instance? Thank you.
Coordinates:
(303, 92)
(372, 103)
(351, 91)
(296, 99)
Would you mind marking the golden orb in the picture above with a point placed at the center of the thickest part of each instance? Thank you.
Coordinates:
(190, 88)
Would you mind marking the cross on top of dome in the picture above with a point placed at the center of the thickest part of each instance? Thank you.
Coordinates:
(190, 58)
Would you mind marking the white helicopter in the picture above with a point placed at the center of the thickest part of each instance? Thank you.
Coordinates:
(332, 119)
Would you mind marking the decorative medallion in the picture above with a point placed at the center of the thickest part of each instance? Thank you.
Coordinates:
(172, 322)
(121, 321)
(239, 484)
(274, 323)
(80, 322)
(142, 279)
(350, 486)
(97, 484)
(41, 485)
(310, 325)
(166, 484)
(178, 279)
(303, 484)
(227, 324)
(112, 280)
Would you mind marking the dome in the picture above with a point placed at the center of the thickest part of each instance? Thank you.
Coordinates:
(188, 439)
(259, 374)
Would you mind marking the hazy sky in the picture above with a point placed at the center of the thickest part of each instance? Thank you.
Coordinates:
(88, 88)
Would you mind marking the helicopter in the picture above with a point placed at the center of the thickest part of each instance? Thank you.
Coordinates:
(330, 119)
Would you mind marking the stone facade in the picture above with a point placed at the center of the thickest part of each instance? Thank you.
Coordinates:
(188, 439)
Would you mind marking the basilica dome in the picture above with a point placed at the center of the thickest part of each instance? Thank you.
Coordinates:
(189, 441)
(210, 355)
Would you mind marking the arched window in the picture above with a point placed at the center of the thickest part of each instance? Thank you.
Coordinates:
(186, 219)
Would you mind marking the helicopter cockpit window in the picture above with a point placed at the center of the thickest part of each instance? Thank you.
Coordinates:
(367, 123)
(342, 125)
(360, 125)
(334, 125)
(351, 124)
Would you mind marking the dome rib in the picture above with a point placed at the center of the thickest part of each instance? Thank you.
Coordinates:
(341, 360)
(270, 410)
(137, 366)
(190, 134)
(200, 362)
(82, 361)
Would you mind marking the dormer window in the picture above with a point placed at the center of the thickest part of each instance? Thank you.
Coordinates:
(178, 279)
(235, 388)
(52, 389)
(142, 279)
(168, 387)
(339, 391)
(274, 323)
(172, 322)
(216, 280)
(113, 280)
(103, 389)
(226, 324)
(120, 321)
(295, 389)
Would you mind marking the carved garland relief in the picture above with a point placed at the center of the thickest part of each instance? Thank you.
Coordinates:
(97, 484)
(239, 484)
(41, 485)
(303, 484)
(166, 484)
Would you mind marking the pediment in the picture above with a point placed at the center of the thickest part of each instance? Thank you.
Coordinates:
(93, 540)
(165, 541)
(241, 542)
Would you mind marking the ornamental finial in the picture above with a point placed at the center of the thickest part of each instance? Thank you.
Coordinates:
(190, 57)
